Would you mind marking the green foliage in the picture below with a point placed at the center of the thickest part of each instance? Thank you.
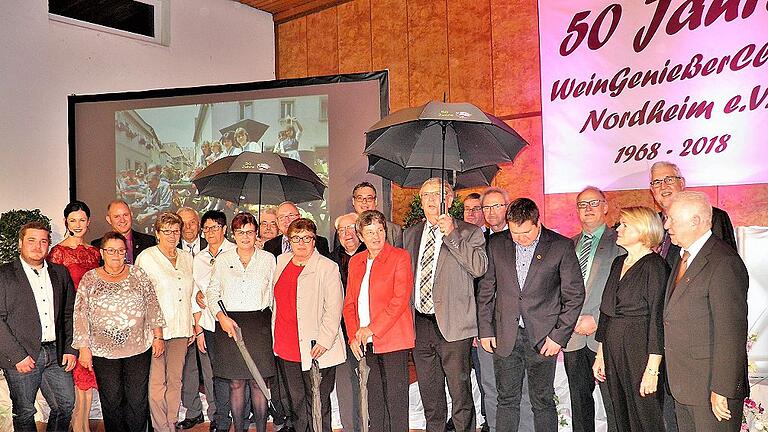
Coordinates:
(10, 224)
(416, 213)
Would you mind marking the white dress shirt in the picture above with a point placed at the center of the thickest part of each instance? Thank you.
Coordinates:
(243, 289)
(195, 246)
(695, 247)
(363, 300)
(201, 271)
(438, 246)
(174, 286)
(42, 288)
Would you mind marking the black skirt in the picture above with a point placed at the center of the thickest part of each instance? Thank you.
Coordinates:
(256, 327)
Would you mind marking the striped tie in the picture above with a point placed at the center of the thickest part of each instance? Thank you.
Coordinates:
(586, 248)
(425, 284)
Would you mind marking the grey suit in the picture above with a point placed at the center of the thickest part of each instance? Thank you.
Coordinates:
(705, 329)
(394, 235)
(444, 340)
(579, 354)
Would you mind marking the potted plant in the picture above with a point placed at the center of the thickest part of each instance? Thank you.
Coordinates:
(10, 224)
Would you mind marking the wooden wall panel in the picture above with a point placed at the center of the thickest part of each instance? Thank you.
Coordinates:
(524, 176)
(322, 43)
(389, 47)
(516, 84)
(355, 36)
(746, 204)
(469, 52)
(292, 49)
(427, 51)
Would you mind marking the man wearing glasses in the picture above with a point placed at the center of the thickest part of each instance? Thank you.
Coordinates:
(666, 182)
(596, 249)
(447, 255)
(287, 212)
(364, 198)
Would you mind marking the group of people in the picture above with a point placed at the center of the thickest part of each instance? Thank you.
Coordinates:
(654, 310)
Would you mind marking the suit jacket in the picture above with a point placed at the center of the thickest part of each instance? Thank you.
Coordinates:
(319, 301)
(721, 227)
(20, 331)
(275, 246)
(141, 241)
(550, 301)
(606, 251)
(390, 288)
(461, 258)
(705, 326)
(203, 244)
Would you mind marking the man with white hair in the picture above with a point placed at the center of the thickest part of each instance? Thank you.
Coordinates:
(705, 321)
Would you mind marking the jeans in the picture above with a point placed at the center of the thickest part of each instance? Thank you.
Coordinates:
(57, 388)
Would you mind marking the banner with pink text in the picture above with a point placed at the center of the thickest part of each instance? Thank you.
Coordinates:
(626, 84)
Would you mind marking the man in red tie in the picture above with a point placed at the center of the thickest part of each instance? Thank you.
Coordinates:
(705, 321)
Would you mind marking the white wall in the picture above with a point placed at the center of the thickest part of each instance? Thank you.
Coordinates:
(42, 61)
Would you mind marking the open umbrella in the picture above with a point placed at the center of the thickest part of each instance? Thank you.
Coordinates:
(445, 136)
(259, 177)
(255, 129)
(414, 177)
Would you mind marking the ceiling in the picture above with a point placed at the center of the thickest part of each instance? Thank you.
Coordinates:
(286, 10)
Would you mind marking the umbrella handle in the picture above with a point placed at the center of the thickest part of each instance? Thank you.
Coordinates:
(223, 309)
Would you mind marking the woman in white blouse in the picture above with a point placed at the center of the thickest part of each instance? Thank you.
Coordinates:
(242, 280)
(170, 270)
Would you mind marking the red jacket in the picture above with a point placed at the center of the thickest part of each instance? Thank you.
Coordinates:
(390, 290)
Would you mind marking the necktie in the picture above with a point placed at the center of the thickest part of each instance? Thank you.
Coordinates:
(683, 267)
(586, 248)
(425, 284)
(286, 244)
(192, 249)
(129, 250)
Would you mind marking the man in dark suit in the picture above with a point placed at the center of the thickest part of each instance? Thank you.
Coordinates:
(666, 182)
(287, 212)
(447, 255)
(705, 322)
(528, 304)
(596, 249)
(120, 219)
(36, 304)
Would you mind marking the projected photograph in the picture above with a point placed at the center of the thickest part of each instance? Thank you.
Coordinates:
(158, 151)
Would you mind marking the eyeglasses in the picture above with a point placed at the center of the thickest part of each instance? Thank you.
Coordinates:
(304, 239)
(667, 180)
(245, 233)
(433, 195)
(494, 207)
(290, 216)
(272, 224)
(365, 199)
(347, 229)
(113, 251)
(170, 232)
(212, 228)
(475, 209)
(591, 203)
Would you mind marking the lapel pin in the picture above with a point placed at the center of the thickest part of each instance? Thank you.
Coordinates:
(688, 280)
(538, 257)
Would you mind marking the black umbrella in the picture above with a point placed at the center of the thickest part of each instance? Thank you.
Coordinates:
(259, 177)
(445, 136)
(414, 177)
(255, 129)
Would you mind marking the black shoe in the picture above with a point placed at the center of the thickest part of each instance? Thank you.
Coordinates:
(189, 423)
(485, 428)
(449, 425)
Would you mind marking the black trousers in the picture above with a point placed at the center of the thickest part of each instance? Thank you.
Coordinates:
(581, 384)
(437, 362)
(695, 418)
(299, 386)
(123, 385)
(541, 386)
(387, 391)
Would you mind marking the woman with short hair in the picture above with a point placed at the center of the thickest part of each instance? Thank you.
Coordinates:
(630, 334)
(306, 323)
(170, 270)
(117, 318)
(379, 321)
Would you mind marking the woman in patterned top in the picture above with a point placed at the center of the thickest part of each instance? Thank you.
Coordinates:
(79, 257)
(117, 319)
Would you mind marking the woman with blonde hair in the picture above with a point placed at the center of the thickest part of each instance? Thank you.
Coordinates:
(630, 334)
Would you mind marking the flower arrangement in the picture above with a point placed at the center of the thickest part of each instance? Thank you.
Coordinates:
(753, 419)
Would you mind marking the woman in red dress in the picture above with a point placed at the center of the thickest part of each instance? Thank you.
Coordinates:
(78, 257)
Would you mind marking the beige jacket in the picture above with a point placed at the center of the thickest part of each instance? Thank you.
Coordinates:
(319, 302)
